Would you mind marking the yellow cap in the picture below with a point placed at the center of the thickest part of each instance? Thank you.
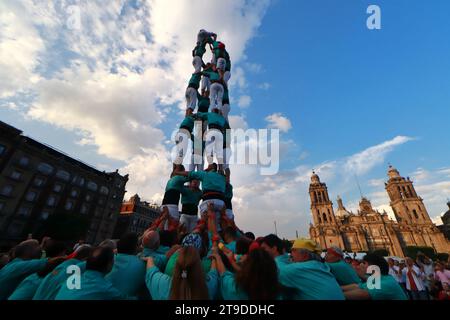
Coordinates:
(307, 244)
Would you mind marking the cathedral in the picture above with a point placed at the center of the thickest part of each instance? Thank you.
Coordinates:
(369, 229)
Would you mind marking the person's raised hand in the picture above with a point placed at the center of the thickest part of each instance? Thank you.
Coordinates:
(149, 261)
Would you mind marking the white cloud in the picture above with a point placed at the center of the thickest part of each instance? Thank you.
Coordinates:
(237, 122)
(278, 121)
(244, 101)
(264, 86)
(254, 67)
(362, 162)
(115, 80)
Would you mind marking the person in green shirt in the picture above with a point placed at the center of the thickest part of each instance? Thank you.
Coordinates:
(221, 59)
(225, 104)
(228, 197)
(344, 272)
(190, 198)
(151, 244)
(188, 282)
(50, 285)
(27, 288)
(172, 193)
(93, 285)
(25, 263)
(257, 278)
(307, 276)
(384, 287)
(203, 102)
(128, 272)
(274, 246)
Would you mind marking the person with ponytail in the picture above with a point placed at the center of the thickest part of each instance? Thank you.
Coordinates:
(188, 281)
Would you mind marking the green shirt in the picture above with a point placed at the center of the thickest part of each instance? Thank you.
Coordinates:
(94, 286)
(199, 50)
(159, 259)
(213, 118)
(203, 103)
(188, 123)
(14, 272)
(27, 288)
(211, 181)
(50, 285)
(389, 289)
(228, 288)
(176, 183)
(127, 274)
(194, 81)
(310, 280)
(189, 196)
(228, 191)
(344, 273)
(212, 75)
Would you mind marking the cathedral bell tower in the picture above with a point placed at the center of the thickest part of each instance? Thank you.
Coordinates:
(408, 207)
(321, 206)
(326, 229)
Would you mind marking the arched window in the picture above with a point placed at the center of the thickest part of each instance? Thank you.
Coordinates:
(415, 214)
(325, 218)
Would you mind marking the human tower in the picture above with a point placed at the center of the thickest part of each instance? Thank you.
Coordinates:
(206, 125)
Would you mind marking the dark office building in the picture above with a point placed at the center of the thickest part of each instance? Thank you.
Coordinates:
(39, 184)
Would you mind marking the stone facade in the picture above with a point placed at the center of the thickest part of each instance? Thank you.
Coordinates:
(369, 229)
(37, 181)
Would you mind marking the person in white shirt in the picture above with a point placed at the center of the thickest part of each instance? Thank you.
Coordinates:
(394, 270)
(415, 281)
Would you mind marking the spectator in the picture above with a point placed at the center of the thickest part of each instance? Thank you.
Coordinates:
(415, 281)
(386, 289)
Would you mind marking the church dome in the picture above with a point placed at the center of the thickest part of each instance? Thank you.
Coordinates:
(341, 211)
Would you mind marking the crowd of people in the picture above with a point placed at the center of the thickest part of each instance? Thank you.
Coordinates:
(215, 261)
(199, 253)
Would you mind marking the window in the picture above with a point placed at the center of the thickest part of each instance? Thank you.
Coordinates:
(24, 211)
(92, 186)
(2, 205)
(84, 208)
(101, 201)
(44, 215)
(88, 197)
(63, 175)
(74, 193)
(79, 181)
(6, 190)
(69, 205)
(39, 181)
(57, 187)
(2, 149)
(104, 190)
(52, 200)
(45, 168)
(16, 175)
(24, 161)
(31, 195)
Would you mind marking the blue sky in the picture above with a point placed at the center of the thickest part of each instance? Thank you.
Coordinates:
(356, 99)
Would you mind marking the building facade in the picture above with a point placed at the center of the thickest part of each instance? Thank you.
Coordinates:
(38, 181)
(445, 227)
(135, 216)
(369, 229)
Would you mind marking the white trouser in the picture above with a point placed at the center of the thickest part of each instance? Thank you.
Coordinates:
(226, 76)
(230, 214)
(225, 110)
(197, 63)
(196, 162)
(181, 143)
(218, 205)
(226, 158)
(216, 95)
(205, 84)
(191, 98)
(214, 146)
(221, 63)
(188, 221)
